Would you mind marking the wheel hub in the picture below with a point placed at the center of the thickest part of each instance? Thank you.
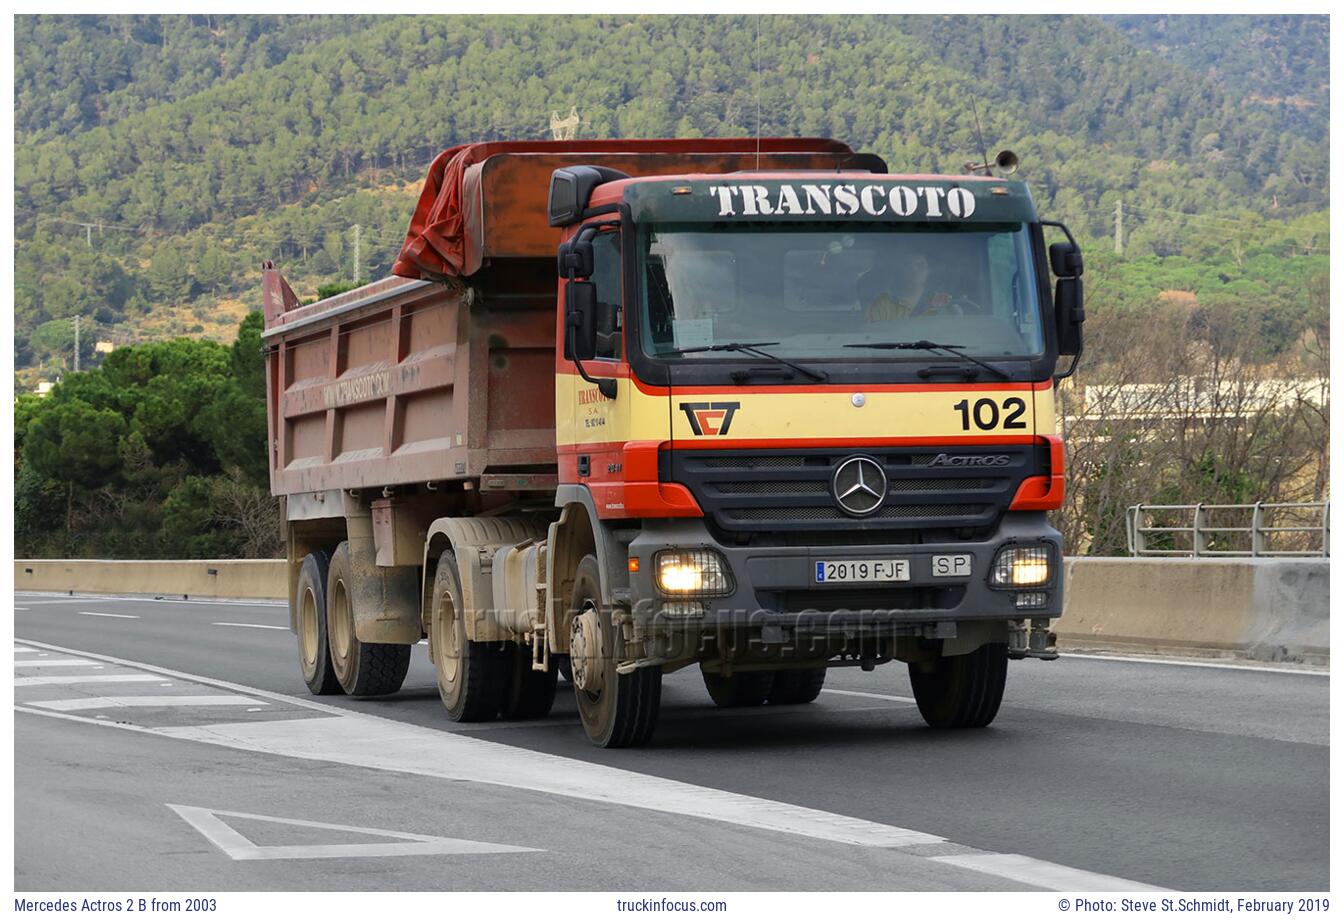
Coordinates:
(586, 654)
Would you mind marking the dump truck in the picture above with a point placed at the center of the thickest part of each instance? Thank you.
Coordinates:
(758, 407)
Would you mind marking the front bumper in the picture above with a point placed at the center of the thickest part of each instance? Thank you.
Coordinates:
(775, 586)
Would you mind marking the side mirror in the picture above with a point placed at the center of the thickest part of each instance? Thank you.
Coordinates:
(571, 189)
(580, 321)
(575, 258)
(1066, 260)
(1069, 315)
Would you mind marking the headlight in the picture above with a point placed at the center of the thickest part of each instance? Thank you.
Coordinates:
(692, 572)
(1022, 567)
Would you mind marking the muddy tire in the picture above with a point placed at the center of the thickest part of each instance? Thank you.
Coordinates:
(361, 668)
(471, 674)
(310, 621)
(622, 711)
(797, 686)
(530, 694)
(747, 688)
(963, 691)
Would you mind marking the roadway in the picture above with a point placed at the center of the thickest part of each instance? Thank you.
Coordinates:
(166, 745)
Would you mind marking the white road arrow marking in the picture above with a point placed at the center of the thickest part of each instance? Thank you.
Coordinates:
(238, 847)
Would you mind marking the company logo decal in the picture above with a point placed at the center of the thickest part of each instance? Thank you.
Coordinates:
(971, 460)
(843, 200)
(357, 389)
(859, 485)
(710, 418)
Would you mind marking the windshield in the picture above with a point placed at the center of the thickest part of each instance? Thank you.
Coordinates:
(819, 291)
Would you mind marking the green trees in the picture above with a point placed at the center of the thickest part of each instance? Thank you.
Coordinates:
(149, 455)
(207, 144)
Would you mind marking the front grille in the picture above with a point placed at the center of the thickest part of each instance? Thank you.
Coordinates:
(944, 513)
(746, 494)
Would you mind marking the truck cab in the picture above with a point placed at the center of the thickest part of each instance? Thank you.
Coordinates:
(828, 401)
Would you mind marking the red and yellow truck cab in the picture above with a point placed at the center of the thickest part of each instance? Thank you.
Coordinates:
(804, 417)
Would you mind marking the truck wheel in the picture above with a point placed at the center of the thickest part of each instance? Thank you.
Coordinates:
(310, 621)
(963, 691)
(617, 710)
(748, 688)
(530, 694)
(797, 686)
(471, 674)
(362, 668)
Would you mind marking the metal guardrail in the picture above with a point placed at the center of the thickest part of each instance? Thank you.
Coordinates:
(1199, 531)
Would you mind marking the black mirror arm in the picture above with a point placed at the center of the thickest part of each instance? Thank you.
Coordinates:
(1073, 365)
(605, 385)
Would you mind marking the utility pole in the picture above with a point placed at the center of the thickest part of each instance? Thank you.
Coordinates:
(76, 344)
(355, 279)
(1119, 226)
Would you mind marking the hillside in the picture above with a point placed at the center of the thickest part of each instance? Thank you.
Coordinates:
(160, 159)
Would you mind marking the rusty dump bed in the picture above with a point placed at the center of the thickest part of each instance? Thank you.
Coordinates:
(449, 374)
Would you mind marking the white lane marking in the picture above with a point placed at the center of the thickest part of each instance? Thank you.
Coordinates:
(17, 609)
(46, 681)
(118, 702)
(63, 600)
(57, 663)
(871, 696)
(1186, 663)
(119, 616)
(20, 650)
(250, 625)
(1047, 875)
(238, 847)
(432, 753)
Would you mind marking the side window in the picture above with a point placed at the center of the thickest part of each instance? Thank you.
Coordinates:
(607, 277)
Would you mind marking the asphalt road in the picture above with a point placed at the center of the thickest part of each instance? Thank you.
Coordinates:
(1097, 774)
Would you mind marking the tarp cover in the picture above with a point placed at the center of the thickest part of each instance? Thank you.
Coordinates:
(436, 246)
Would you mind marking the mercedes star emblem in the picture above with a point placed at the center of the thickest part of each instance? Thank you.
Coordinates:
(859, 485)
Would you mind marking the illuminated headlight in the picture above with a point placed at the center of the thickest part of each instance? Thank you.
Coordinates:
(692, 572)
(1022, 567)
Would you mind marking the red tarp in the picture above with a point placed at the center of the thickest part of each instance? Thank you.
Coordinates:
(436, 243)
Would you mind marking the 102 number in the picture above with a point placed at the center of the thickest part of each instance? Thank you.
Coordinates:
(985, 413)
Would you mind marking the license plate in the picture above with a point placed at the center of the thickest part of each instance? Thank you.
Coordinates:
(831, 571)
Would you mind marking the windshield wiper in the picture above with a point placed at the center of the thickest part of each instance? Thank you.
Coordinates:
(926, 345)
(750, 348)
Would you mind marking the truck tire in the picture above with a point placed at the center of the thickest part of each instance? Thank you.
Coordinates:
(797, 686)
(471, 674)
(747, 688)
(361, 668)
(530, 694)
(310, 621)
(963, 691)
(622, 710)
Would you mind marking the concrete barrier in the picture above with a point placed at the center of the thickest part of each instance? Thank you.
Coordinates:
(239, 578)
(1267, 609)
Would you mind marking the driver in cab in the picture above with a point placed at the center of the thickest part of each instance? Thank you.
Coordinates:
(901, 288)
